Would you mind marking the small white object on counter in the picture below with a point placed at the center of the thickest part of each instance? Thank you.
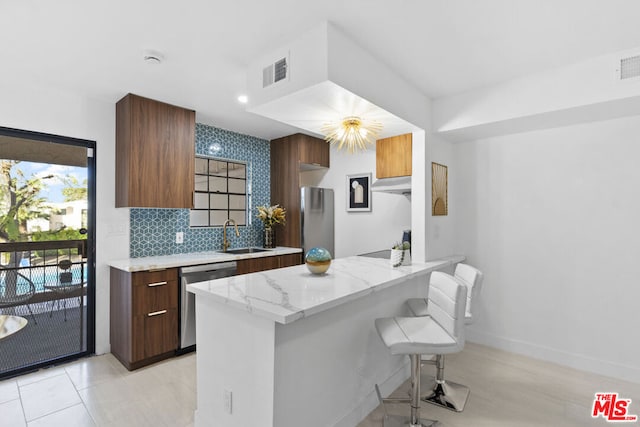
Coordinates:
(400, 257)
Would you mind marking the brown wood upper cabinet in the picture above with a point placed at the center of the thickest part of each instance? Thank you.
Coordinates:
(312, 152)
(393, 156)
(290, 155)
(155, 154)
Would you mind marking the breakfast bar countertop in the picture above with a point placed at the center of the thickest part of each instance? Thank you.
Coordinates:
(288, 294)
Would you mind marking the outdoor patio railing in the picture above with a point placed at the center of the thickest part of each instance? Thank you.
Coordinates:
(46, 265)
(46, 283)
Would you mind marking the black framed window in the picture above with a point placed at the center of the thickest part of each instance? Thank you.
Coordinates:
(220, 192)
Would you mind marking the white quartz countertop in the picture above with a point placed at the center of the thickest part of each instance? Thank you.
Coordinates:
(288, 294)
(194, 258)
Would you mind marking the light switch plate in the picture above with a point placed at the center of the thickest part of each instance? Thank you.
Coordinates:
(179, 237)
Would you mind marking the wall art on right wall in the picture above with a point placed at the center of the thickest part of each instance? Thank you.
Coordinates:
(439, 176)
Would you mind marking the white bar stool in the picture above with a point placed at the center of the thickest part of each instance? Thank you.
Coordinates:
(443, 393)
(442, 332)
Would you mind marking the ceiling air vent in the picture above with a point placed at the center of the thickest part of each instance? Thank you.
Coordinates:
(280, 70)
(630, 67)
(275, 72)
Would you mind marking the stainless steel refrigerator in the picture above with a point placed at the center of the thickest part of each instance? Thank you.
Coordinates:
(316, 218)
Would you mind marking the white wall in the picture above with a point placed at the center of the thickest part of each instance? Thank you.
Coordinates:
(439, 229)
(360, 232)
(44, 109)
(578, 93)
(551, 217)
(355, 69)
(306, 64)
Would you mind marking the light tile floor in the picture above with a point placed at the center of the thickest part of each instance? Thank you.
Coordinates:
(507, 390)
(99, 391)
(510, 390)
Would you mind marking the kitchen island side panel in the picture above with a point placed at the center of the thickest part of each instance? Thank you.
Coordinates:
(235, 354)
(317, 371)
(327, 365)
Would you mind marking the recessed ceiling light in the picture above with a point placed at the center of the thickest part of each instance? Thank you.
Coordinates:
(152, 57)
(243, 99)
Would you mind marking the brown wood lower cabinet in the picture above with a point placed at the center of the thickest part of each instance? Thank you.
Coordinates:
(159, 333)
(144, 310)
(290, 260)
(252, 265)
(144, 316)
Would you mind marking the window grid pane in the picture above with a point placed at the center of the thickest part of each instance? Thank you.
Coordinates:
(201, 201)
(201, 183)
(237, 186)
(217, 184)
(221, 193)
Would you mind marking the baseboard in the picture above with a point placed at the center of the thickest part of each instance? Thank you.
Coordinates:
(370, 402)
(571, 360)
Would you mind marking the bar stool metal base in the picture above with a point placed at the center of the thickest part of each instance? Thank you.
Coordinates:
(414, 401)
(400, 420)
(446, 394)
(449, 395)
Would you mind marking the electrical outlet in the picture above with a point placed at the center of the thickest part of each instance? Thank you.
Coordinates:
(228, 401)
(179, 237)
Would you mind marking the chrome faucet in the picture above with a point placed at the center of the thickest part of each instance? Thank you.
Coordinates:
(225, 242)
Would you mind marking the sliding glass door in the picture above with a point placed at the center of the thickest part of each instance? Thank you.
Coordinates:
(47, 216)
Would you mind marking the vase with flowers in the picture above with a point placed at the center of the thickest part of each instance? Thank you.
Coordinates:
(270, 216)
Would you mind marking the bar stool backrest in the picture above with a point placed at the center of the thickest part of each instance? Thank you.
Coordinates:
(472, 278)
(447, 304)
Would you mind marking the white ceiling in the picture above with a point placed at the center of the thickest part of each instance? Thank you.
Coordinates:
(442, 47)
(327, 103)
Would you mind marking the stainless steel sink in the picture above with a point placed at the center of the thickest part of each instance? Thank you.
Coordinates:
(244, 251)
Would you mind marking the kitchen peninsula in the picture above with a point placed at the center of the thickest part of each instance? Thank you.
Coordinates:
(287, 348)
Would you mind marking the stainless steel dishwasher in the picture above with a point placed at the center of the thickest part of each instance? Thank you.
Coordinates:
(194, 274)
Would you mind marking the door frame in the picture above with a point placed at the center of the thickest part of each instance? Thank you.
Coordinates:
(91, 235)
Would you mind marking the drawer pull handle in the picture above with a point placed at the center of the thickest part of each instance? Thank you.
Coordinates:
(156, 313)
(156, 284)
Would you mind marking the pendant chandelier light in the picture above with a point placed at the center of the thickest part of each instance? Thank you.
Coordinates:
(352, 133)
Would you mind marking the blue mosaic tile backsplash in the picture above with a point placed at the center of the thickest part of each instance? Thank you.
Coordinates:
(153, 231)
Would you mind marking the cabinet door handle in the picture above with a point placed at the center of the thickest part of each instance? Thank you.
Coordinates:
(157, 313)
(156, 284)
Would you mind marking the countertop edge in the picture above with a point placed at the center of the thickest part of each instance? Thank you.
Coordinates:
(133, 265)
(429, 266)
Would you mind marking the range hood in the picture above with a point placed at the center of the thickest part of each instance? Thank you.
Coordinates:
(397, 185)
